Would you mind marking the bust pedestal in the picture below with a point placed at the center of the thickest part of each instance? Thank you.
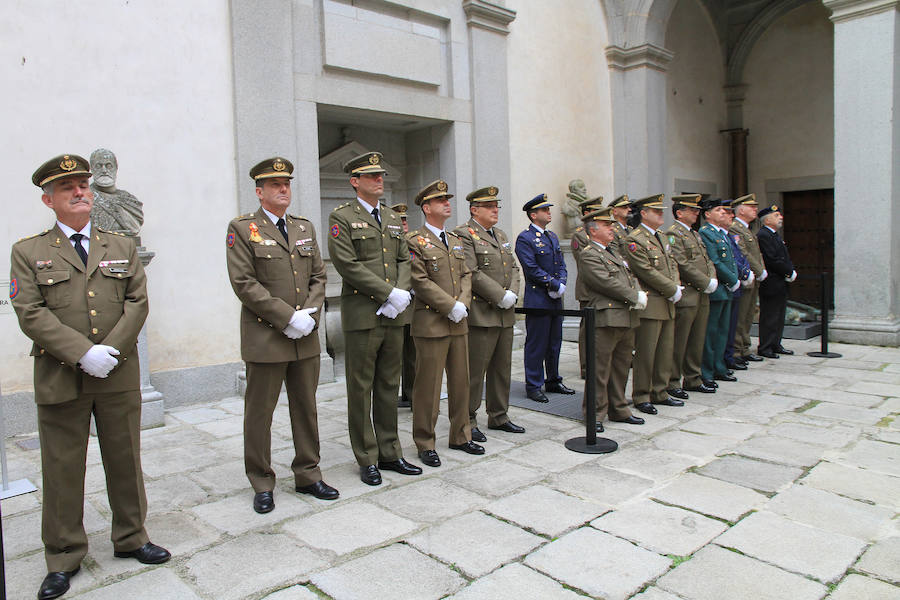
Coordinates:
(152, 404)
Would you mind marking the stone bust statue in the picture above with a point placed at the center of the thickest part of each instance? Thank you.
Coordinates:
(114, 209)
(577, 193)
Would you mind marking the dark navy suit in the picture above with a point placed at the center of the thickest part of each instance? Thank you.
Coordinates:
(743, 266)
(773, 291)
(544, 268)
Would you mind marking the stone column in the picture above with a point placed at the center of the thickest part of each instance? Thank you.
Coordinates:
(153, 409)
(737, 143)
(638, 82)
(867, 171)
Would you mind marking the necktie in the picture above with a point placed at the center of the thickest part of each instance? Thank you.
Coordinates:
(659, 239)
(444, 239)
(79, 249)
(375, 215)
(492, 234)
(282, 228)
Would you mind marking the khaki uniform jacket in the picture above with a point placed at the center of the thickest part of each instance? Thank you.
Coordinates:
(749, 245)
(579, 242)
(656, 270)
(273, 279)
(694, 266)
(66, 307)
(609, 286)
(619, 245)
(494, 272)
(440, 278)
(372, 259)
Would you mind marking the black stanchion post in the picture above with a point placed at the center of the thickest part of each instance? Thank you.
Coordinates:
(590, 443)
(826, 301)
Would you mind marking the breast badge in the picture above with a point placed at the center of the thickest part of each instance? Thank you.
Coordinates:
(254, 233)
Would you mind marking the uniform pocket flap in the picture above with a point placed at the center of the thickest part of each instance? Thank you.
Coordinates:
(51, 277)
(267, 251)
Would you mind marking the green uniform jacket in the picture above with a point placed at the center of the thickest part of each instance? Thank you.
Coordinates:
(494, 272)
(694, 266)
(371, 259)
(273, 279)
(720, 254)
(656, 270)
(609, 286)
(66, 307)
(749, 245)
(440, 278)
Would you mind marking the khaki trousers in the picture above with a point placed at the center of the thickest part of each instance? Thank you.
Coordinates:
(264, 381)
(490, 362)
(612, 350)
(64, 430)
(433, 356)
(687, 352)
(746, 307)
(652, 360)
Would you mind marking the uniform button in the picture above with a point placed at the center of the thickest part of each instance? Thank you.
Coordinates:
(120, 276)
(427, 307)
(93, 313)
(95, 331)
(371, 297)
(293, 257)
(268, 256)
(91, 293)
(49, 281)
(42, 350)
(355, 291)
(385, 264)
(298, 307)
(298, 290)
(387, 279)
(295, 272)
(385, 249)
(258, 320)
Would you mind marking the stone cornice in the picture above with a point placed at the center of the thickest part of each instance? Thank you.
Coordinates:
(645, 55)
(487, 15)
(844, 10)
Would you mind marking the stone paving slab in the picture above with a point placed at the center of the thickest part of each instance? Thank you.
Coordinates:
(654, 593)
(873, 456)
(761, 410)
(825, 510)
(652, 425)
(754, 474)
(24, 576)
(544, 510)
(882, 560)
(515, 581)
(250, 563)
(223, 428)
(722, 427)
(793, 546)
(659, 528)
(857, 587)
(397, 571)
(850, 398)
(429, 500)
(223, 478)
(844, 413)
(855, 483)
(548, 456)
(710, 496)
(203, 414)
(461, 541)
(160, 578)
(594, 482)
(716, 574)
(494, 477)
(295, 592)
(338, 529)
(781, 450)
(598, 564)
(693, 444)
(235, 515)
(878, 388)
(646, 461)
(836, 436)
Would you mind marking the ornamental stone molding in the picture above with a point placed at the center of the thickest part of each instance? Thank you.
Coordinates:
(645, 55)
(488, 15)
(844, 10)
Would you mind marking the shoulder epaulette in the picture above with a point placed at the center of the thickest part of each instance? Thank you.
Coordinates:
(34, 235)
(340, 206)
(111, 232)
(247, 216)
(298, 217)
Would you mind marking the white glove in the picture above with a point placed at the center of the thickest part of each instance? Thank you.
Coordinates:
(561, 291)
(736, 285)
(749, 281)
(98, 361)
(388, 310)
(763, 276)
(399, 299)
(458, 312)
(301, 324)
(713, 286)
(641, 303)
(677, 295)
(792, 277)
(508, 300)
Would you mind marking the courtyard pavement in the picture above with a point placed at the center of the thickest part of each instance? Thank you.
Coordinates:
(784, 485)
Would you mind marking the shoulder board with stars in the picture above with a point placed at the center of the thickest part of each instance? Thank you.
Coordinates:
(340, 206)
(110, 232)
(247, 216)
(298, 217)
(34, 235)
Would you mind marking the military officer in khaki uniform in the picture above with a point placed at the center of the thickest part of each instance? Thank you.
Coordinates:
(442, 284)
(495, 289)
(408, 369)
(621, 207)
(657, 272)
(698, 275)
(611, 290)
(277, 273)
(368, 249)
(580, 240)
(81, 295)
(745, 209)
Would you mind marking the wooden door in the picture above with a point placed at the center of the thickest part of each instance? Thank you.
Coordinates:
(809, 235)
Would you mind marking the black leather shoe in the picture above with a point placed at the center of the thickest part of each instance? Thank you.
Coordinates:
(783, 350)
(404, 403)
(468, 448)
(369, 475)
(725, 377)
(600, 428)
(263, 502)
(646, 407)
(713, 383)
(768, 354)
(670, 402)
(149, 554)
(320, 490)
(632, 420)
(703, 388)
(477, 435)
(55, 584)
(400, 466)
(752, 358)
(558, 388)
(678, 393)
(508, 427)
(736, 366)
(430, 458)
(537, 396)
